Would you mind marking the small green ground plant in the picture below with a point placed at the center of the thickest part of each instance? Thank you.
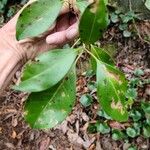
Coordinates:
(51, 77)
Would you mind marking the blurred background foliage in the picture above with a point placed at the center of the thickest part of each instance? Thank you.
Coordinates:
(8, 8)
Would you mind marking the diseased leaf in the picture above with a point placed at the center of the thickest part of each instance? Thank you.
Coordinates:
(111, 88)
(48, 108)
(101, 55)
(37, 17)
(48, 70)
(93, 22)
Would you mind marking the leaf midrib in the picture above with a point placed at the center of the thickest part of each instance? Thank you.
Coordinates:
(51, 67)
(56, 92)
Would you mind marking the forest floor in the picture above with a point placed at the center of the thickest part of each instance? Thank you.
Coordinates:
(130, 53)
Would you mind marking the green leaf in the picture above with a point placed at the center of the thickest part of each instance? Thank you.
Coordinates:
(135, 115)
(137, 125)
(123, 27)
(146, 131)
(126, 33)
(48, 108)
(114, 18)
(102, 113)
(132, 148)
(131, 132)
(37, 17)
(134, 82)
(92, 128)
(111, 89)
(128, 17)
(148, 121)
(82, 4)
(138, 72)
(132, 93)
(147, 4)
(48, 70)
(103, 128)
(146, 107)
(93, 22)
(92, 86)
(86, 100)
(101, 55)
(89, 73)
(117, 135)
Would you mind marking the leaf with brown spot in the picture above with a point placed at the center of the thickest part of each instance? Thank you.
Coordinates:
(48, 108)
(111, 89)
(93, 22)
(37, 17)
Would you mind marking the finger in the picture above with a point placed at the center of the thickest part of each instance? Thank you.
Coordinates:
(72, 32)
(63, 37)
(56, 38)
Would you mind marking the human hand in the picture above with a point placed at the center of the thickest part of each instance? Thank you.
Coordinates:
(64, 30)
(14, 54)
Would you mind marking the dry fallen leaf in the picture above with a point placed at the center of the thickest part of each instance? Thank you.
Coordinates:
(14, 134)
(44, 144)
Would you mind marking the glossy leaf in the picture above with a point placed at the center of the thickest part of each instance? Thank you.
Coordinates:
(48, 70)
(146, 107)
(93, 22)
(135, 115)
(37, 17)
(86, 100)
(48, 108)
(132, 93)
(101, 55)
(138, 72)
(111, 87)
(131, 132)
(117, 135)
(103, 128)
(102, 113)
(147, 4)
(146, 131)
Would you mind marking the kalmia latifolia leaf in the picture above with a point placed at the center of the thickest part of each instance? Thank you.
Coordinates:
(48, 108)
(48, 69)
(111, 89)
(93, 22)
(37, 18)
